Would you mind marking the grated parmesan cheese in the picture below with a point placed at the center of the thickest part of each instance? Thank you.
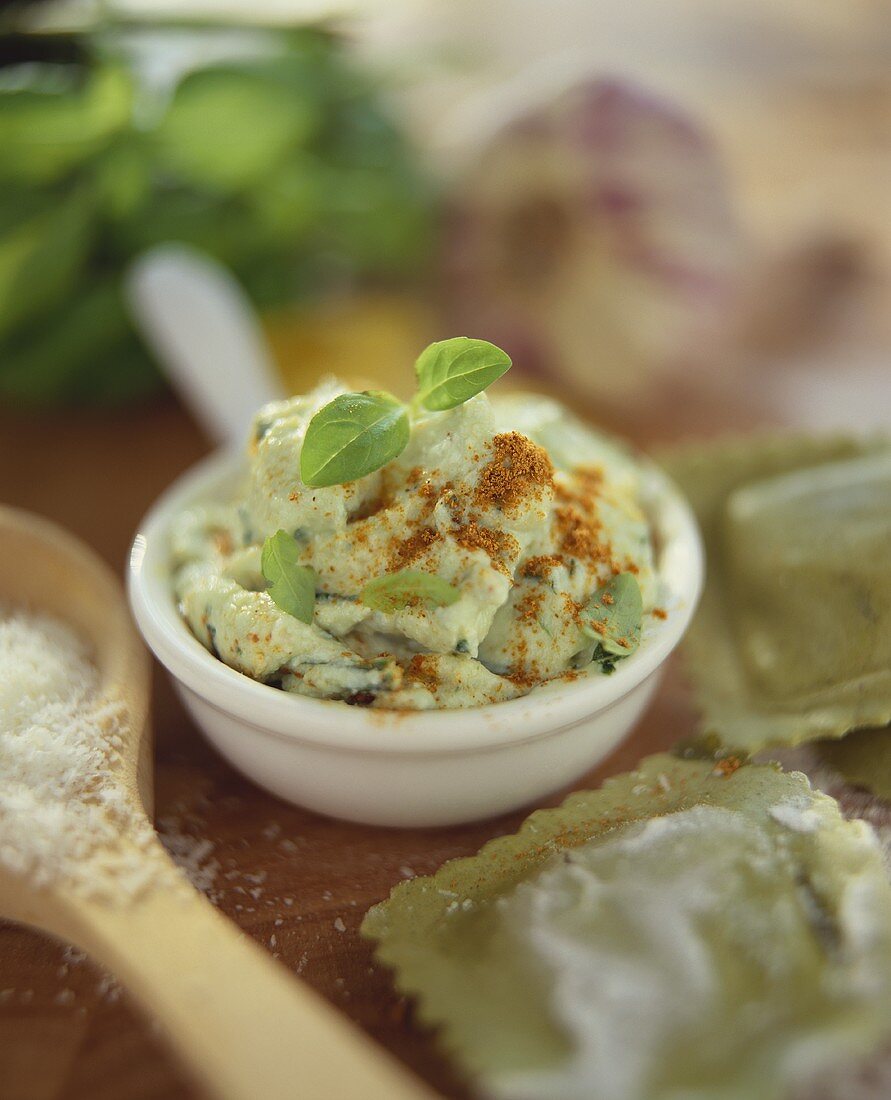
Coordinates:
(62, 807)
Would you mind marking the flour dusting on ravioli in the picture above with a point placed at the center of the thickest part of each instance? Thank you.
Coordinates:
(711, 932)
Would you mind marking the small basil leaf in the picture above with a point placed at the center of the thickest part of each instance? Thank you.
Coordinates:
(450, 372)
(353, 435)
(614, 615)
(292, 587)
(394, 591)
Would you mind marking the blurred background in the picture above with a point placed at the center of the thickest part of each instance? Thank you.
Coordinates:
(676, 216)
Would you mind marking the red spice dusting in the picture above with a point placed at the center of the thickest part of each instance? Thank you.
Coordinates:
(223, 542)
(660, 613)
(607, 599)
(524, 673)
(588, 481)
(519, 469)
(727, 766)
(577, 529)
(421, 669)
(582, 488)
(499, 545)
(360, 699)
(572, 608)
(579, 534)
(405, 551)
(430, 495)
(529, 607)
(524, 678)
(540, 566)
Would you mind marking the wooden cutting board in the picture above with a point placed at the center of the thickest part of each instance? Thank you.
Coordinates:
(298, 883)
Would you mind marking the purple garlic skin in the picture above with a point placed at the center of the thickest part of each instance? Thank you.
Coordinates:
(592, 238)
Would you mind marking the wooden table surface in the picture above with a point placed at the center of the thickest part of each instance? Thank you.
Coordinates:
(298, 883)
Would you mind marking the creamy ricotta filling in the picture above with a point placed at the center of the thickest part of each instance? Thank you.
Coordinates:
(515, 503)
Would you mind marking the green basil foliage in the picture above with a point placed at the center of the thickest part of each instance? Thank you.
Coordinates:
(353, 435)
(292, 586)
(450, 372)
(613, 619)
(357, 433)
(282, 164)
(394, 591)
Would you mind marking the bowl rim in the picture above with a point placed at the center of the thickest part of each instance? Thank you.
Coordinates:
(334, 724)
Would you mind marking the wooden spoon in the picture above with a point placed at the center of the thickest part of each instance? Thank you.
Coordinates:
(245, 1027)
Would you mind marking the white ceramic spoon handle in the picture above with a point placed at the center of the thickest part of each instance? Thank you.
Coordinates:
(206, 335)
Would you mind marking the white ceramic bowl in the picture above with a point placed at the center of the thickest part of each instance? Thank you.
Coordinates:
(408, 768)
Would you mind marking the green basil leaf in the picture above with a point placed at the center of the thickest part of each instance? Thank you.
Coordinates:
(450, 372)
(42, 259)
(292, 587)
(210, 135)
(394, 591)
(46, 136)
(88, 353)
(353, 435)
(614, 615)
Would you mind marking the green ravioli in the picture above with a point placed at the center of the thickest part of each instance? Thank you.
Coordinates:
(711, 931)
(863, 759)
(792, 640)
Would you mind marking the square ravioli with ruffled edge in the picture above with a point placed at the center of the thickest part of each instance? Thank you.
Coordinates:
(703, 929)
(518, 515)
(792, 639)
